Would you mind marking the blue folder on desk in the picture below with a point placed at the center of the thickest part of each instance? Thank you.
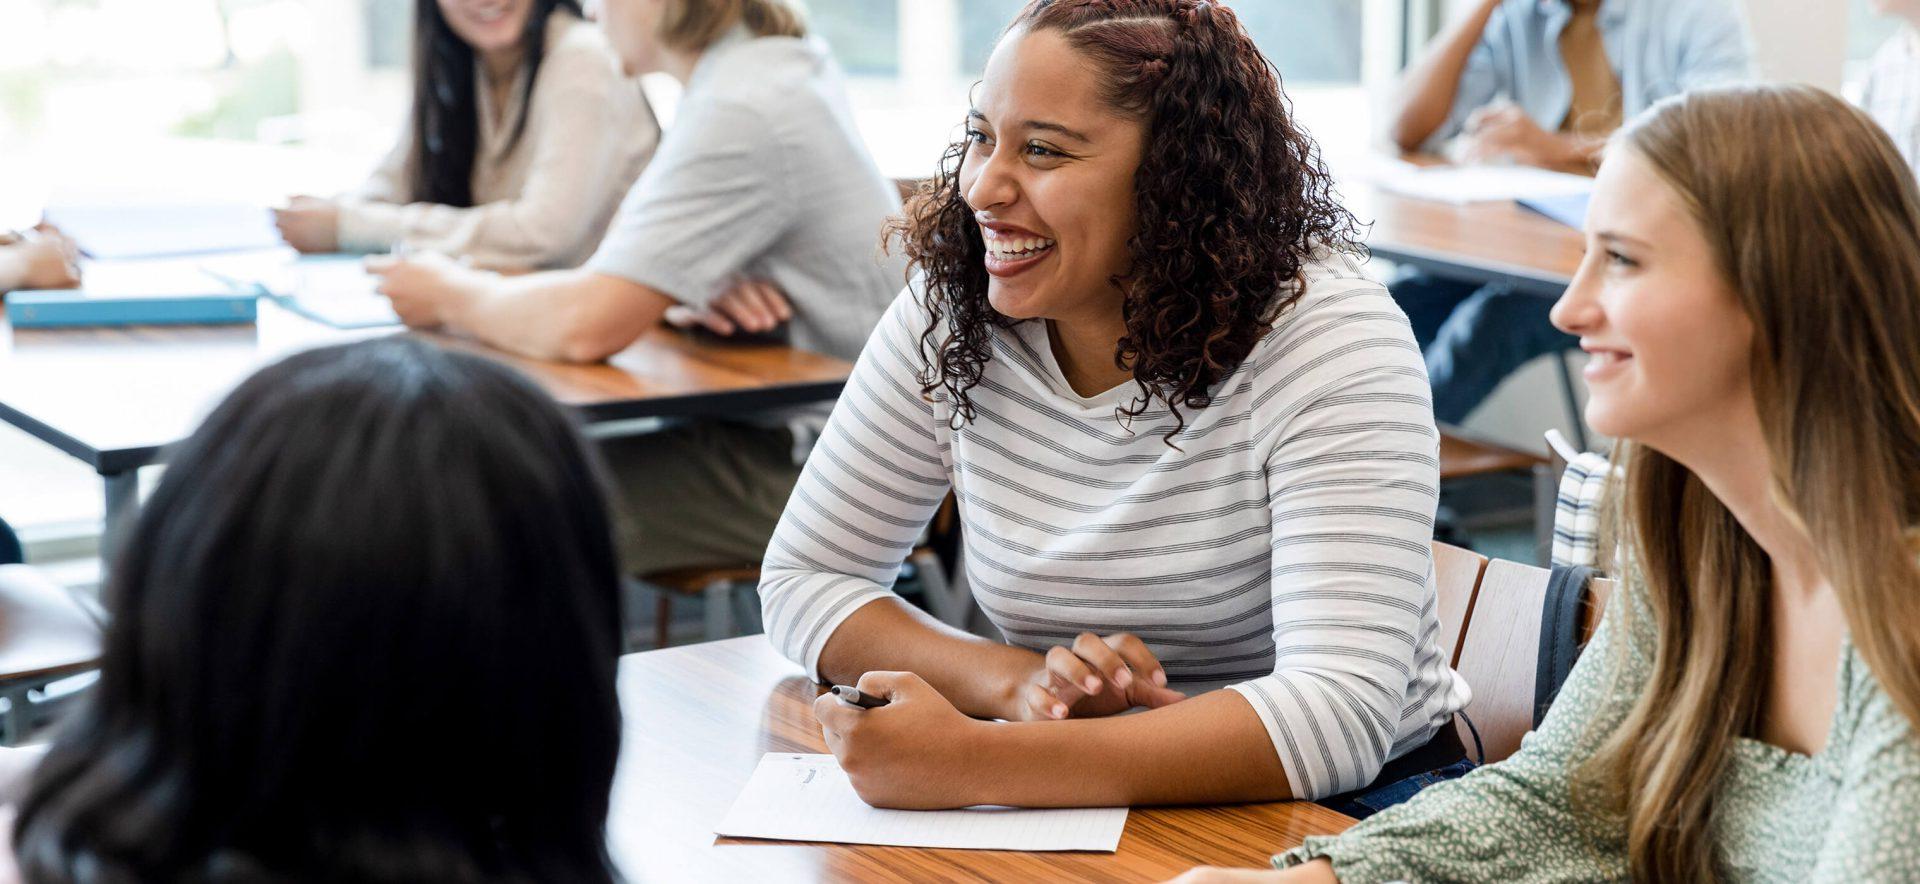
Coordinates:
(1570, 209)
(134, 293)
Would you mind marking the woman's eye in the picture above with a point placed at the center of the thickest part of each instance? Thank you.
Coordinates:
(1618, 260)
(977, 137)
(1040, 150)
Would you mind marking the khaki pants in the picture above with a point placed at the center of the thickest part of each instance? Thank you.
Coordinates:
(699, 494)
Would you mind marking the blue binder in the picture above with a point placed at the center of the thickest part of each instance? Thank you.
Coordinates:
(134, 293)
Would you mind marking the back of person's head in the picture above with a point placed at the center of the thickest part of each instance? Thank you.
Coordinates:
(1813, 222)
(366, 629)
(692, 25)
(1231, 201)
(446, 103)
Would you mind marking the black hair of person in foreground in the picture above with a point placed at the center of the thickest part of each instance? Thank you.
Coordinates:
(366, 630)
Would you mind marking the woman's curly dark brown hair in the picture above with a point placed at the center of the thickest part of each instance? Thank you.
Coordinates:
(1232, 199)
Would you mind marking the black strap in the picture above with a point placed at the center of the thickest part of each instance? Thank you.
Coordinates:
(1559, 634)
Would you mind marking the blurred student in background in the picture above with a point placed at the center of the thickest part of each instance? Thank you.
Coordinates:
(763, 179)
(1538, 83)
(523, 135)
(365, 630)
(1892, 89)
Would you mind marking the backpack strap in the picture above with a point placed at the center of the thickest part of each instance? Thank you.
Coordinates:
(1559, 634)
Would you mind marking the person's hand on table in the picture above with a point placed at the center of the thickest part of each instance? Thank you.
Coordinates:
(1504, 132)
(425, 287)
(915, 753)
(44, 258)
(310, 224)
(751, 306)
(1096, 676)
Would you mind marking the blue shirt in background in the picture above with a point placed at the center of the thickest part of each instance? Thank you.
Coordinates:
(1658, 48)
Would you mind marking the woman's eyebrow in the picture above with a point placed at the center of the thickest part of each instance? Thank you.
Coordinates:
(1039, 125)
(1612, 237)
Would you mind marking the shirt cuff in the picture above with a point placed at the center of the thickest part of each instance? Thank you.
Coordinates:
(655, 275)
(368, 226)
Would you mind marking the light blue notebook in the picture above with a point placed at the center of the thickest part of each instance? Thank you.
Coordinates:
(134, 293)
(151, 230)
(1570, 210)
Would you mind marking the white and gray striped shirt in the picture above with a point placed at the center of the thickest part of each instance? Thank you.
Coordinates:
(1282, 549)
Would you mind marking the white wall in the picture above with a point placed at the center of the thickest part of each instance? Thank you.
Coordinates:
(1800, 40)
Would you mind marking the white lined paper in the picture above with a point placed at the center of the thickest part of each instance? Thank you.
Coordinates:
(809, 798)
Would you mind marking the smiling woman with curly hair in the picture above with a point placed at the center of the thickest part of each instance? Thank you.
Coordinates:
(1191, 444)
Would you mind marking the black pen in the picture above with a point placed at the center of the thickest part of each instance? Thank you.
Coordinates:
(853, 695)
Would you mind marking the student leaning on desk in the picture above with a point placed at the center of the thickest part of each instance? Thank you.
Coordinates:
(1750, 708)
(1188, 435)
(523, 134)
(762, 175)
(41, 258)
(366, 629)
(1541, 83)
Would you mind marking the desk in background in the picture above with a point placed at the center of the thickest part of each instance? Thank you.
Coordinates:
(698, 718)
(1479, 242)
(116, 397)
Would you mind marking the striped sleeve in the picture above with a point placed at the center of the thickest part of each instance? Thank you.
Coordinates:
(1352, 482)
(869, 488)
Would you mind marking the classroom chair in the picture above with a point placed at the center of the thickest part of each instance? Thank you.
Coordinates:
(46, 634)
(1500, 648)
(1463, 456)
(1456, 574)
(947, 595)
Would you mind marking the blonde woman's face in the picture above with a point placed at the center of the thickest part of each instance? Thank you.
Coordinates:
(1669, 344)
(632, 28)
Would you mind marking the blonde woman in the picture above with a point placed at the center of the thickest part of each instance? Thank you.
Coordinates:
(1751, 298)
(762, 176)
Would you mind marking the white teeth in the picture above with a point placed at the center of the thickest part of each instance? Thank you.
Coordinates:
(1007, 247)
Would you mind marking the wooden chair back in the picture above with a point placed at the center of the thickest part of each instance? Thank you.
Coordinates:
(1498, 654)
(1456, 575)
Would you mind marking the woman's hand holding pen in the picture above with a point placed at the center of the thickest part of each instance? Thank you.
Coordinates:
(1095, 676)
(916, 752)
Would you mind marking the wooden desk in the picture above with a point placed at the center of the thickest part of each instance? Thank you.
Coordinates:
(1479, 242)
(116, 397)
(1482, 242)
(698, 718)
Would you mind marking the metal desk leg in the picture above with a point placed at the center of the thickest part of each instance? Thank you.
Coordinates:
(1572, 395)
(123, 504)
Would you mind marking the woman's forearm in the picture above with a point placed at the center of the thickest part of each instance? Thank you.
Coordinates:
(978, 676)
(1210, 749)
(1428, 89)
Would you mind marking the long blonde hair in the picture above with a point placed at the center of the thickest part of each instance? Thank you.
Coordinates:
(696, 24)
(1814, 221)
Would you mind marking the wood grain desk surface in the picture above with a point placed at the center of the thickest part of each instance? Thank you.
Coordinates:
(112, 396)
(1492, 240)
(698, 718)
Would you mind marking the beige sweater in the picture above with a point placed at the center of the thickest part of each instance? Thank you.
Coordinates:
(546, 202)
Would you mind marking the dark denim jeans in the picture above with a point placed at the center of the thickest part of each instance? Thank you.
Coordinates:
(1474, 336)
(10, 552)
